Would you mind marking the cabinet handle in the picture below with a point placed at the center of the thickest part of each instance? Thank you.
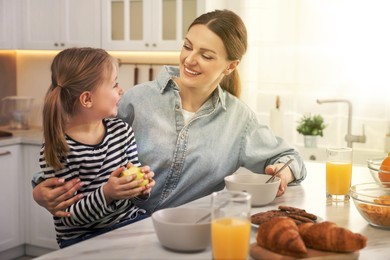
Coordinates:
(56, 44)
(5, 153)
(147, 44)
(62, 44)
(154, 45)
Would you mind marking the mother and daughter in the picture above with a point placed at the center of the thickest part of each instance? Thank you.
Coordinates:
(190, 127)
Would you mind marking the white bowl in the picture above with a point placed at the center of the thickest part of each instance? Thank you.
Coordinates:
(262, 193)
(176, 228)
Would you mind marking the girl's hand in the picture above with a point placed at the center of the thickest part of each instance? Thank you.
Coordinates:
(118, 188)
(148, 174)
(285, 176)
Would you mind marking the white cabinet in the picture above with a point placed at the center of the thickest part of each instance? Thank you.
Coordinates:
(11, 188)
(39, 224)
(60, 24)
(9, 23)
(148, 25)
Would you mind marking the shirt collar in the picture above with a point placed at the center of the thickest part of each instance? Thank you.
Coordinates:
(164, 80)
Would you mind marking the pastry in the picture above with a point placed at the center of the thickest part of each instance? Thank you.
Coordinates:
(328, 236)
(280, 235)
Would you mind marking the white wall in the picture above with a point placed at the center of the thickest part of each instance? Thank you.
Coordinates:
(304, 50)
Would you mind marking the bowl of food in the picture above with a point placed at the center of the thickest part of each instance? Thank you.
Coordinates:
(255, 184)
(372, 200)
(380, 169)
(177, 228)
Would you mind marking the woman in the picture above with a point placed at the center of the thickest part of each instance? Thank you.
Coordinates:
(190, 126)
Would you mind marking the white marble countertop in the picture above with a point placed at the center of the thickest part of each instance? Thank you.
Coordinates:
(34, 135)
(138, 241)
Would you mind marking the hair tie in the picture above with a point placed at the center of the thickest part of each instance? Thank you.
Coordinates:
(58, 85)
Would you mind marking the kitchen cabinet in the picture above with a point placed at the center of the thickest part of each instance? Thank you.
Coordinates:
(147, 25)
(61, 24)
(40, 232)
(11, 234)
(9, 23)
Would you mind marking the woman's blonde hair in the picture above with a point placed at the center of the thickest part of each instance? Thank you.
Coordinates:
(232, 31)
(73, 71)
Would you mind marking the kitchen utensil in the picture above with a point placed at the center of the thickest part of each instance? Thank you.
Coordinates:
(17, 109)
(151, 73)
(136, 75)
(209, 214)
(377, 174)
(253, 183)
(372, 200)
(176, 228)
(274, 175)
(5, 134)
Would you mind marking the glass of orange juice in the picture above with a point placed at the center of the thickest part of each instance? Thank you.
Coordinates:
(230, 224)
(338, 174)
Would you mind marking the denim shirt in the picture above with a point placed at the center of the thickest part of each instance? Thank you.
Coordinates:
(191, 160)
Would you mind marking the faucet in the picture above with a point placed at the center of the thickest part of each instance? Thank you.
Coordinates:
(349, 137)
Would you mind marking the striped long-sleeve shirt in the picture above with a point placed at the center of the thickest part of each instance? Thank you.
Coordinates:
(93, 164)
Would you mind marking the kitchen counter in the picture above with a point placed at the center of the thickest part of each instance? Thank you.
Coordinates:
(33, 135)
(139, 241)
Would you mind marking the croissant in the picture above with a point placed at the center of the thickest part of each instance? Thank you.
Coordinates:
(280, 235)
(328, 236)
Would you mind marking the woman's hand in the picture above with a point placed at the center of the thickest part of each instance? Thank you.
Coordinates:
(56, 195)
(285, 176)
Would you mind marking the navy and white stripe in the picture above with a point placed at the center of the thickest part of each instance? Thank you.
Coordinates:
(93, 164)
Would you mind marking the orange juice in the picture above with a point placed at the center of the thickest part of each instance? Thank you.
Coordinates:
(230, 238)
(338, 178)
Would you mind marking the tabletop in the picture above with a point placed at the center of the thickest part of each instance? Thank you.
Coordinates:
(139, 241)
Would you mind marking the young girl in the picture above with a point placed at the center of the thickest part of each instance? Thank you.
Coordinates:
(83, 140)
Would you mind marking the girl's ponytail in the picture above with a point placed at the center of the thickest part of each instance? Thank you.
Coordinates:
(53, 127)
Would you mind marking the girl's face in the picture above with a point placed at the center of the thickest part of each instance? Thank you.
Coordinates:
(203, 59)
(105, 97)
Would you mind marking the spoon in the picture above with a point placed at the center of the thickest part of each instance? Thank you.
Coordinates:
(273, 175)
(220, 206)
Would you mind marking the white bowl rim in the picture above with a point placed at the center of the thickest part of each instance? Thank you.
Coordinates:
(355, 193)
(374, 165)
(227, 178)
(197, 209)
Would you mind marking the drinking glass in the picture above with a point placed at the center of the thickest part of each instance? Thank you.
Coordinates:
(338, 174)
(230, 224)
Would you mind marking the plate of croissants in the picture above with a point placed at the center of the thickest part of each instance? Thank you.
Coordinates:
(293, 233)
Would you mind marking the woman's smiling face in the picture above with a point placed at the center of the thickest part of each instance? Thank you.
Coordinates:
(203, 59)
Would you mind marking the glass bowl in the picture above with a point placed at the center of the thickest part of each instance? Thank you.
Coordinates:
(378, 175)
(372, 200)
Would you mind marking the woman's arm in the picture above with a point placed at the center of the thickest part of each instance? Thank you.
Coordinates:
(56, 195)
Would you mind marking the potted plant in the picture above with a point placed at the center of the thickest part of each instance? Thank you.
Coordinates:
(311, 126)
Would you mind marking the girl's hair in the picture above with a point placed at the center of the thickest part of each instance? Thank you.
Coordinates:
(73, 71)
(232, 31)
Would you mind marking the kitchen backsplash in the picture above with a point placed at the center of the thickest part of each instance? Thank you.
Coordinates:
(7, 75)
